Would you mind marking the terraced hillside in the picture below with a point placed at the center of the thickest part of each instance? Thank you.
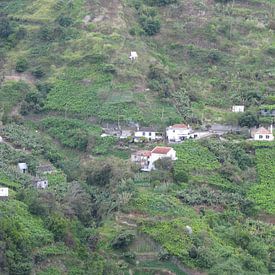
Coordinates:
(196, 58)
(66, 79)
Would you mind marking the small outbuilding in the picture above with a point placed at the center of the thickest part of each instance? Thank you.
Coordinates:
(41, 184)
(238, 109)
(4, 192)
(133, 56)
(23, 167)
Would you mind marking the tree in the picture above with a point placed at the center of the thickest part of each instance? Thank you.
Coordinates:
(164, 164)
(248, 119)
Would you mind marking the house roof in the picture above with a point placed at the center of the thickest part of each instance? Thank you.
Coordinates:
(161, 150)
(179, 126)
(262, 131)
(133, 54)
(146, 129)
(45, 168)
(22, 165)
(144, 153)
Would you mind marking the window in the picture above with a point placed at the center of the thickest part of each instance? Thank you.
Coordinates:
(174, 131)
(260, 136)
(150, 134)
(143, 133)
(267, 136)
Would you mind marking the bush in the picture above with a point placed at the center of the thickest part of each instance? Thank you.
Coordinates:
(21, 65)
(180, 176)
(65, 21)
(151, 25)
(122, 240)
(38, 72)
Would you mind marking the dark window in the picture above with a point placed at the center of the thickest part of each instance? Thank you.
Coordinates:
(260, 136)
(267, 136)
(150, 134)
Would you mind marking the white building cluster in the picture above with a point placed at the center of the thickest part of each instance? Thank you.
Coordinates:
(146, 159)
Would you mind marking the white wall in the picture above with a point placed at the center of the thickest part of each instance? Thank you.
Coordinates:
(4, 192)
(177, 133)
(147, 135)
(266, 137)
(238, 109)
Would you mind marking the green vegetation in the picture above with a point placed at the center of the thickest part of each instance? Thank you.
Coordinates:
(65, 73)
(263, 193)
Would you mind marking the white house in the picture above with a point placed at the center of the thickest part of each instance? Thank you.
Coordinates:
(147, 133)
(41, 184)
(126, 133)
(23, 167)
(133, 56)
(142, 158)
(1, 139)
(146, 159)
(178, 132)
(238, 109)
(4, 192)
(262, 134)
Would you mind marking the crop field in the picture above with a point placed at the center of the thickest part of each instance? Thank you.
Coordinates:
(192, 156)
(264, 192)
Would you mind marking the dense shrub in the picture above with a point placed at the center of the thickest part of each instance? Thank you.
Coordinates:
(38, 71)
(248, 119)
(65, 21)
(122, 240)
(21, 65)
(149, 20)
(151, 25)
(5, 27)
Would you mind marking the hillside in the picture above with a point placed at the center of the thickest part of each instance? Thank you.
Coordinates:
(66, 79)
(206, 57)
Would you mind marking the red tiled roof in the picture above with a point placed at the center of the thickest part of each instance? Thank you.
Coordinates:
(262, 131)
(143, 153)
(161, 150)
(180, 126)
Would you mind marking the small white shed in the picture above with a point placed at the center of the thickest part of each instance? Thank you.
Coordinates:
(41, 184)
(23, 167)
(238, 109)
(133, 56)
(4, 192)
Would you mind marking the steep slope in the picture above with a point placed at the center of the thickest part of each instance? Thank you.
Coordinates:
(206, 56)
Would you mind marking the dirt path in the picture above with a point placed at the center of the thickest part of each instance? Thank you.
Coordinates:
(14, 76)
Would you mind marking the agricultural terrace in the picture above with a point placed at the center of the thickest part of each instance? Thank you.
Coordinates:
(264, 192)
